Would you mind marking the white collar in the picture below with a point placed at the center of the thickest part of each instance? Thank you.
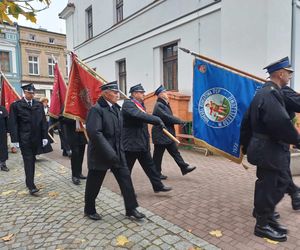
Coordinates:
(28, 100)
(109, 103)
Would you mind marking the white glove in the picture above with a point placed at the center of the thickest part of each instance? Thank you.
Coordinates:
(45, 142)
(16, 144)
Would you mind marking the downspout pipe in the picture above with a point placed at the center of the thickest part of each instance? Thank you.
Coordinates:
(293, 39)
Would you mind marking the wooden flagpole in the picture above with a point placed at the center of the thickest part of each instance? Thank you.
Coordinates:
(172, 137)
(222, 65)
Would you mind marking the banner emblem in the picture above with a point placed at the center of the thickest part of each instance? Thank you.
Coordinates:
(202, 68)
(217, 107)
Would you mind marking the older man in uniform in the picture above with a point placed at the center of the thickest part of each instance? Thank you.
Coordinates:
(136, 136)
(266, 133)
(161, 142)
(3, 138)
(105, 151)
(28, 130)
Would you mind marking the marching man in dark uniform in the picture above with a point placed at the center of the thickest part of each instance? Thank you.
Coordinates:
(28, 130)
(266, 133)
(77, 141)
(105, 151)
(161, 142)
(3, 138)
(136, 136)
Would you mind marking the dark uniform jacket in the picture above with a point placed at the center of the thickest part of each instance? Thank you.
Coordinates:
(136, 136)
(72, 136)
(27, 124)
(164, 112)
(3, 134)
(267, 130)
(104, 129)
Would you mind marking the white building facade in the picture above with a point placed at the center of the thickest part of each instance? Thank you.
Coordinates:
(138, 41)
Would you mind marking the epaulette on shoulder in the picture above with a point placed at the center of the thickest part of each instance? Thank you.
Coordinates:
(272, 89)
(275, 92)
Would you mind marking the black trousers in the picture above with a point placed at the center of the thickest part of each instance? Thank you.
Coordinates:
(94, 182)
(292, 188)
(270, 187)
(28, 154)
(77, 159)
(173, 151)
(147, 163)
(64, 145)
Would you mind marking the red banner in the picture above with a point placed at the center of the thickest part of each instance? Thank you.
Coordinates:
(8, 94)
(58, 94)
(83, 91)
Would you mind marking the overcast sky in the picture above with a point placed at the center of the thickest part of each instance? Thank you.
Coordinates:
(48, 19)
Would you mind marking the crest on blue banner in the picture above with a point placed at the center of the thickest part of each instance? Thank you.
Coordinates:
(220, 99)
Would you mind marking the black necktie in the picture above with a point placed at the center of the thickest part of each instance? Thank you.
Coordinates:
(29, 104)
(115, 109)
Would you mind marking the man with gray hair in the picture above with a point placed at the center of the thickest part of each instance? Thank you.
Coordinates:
(105, 151)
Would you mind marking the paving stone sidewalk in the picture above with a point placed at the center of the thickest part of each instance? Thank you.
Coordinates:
(54, 219)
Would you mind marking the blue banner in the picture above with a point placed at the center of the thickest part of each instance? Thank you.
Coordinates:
(220, 99)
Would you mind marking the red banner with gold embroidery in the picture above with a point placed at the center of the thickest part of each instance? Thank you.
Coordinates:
(83, 90)
(8, 94)
(58, 94)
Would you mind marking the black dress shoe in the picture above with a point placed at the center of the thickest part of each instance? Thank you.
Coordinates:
(188, 169)
(163, 189)
(4, 168)
(296, 200)
(134, 213)
(33, 191)
(276, 215)
(82, 177)
(269, 232)
(76, 180)
(163, 177)
(94, 216)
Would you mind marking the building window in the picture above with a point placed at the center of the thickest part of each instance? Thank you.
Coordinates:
(170, 66)
(10, 36)
(4, 61)
(33, 62)
(32, 37)
(122, 75)
(119, 10)
(89, 19)
(51, 65)
(51, 40)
